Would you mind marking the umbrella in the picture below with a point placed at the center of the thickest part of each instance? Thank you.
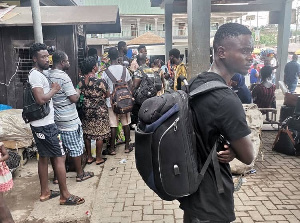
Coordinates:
(297, 52)
(256, 51)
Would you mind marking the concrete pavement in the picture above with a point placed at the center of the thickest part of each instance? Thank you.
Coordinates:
(118, 194)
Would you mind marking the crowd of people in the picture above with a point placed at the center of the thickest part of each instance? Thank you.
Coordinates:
(87, 112)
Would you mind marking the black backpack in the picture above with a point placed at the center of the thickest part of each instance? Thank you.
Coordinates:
(146, 89)
(156, 79)
(32, 111)
(165, 140)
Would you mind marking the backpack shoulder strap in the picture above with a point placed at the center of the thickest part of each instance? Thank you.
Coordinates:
(206, 87)
(111, 76)
(124, 74)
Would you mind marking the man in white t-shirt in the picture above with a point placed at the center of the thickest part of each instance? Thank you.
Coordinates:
(45, 131)
(116, 69)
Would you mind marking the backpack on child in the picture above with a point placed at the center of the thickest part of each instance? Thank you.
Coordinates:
(121, 97)
(166, 153)
(32, 111)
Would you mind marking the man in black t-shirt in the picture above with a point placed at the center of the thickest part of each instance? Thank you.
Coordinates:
(221, 112)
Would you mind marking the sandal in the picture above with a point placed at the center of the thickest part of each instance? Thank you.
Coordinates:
(73, 200)
(52, 194)
(104, 159)
(110, 152)
(84, 176)
(90, 162)
(130, 149)
(55, 181)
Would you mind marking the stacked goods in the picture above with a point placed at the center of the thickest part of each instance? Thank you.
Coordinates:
(255, 121)
(13, 130)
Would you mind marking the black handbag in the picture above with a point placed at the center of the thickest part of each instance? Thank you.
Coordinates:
(32, 111)
(288, 138)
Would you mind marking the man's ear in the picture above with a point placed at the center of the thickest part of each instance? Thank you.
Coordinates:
(34, 58)
(221, 52)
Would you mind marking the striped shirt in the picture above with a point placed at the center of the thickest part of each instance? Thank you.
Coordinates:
(65, 112)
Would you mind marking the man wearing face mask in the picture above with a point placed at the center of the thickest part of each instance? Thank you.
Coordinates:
(180, 68)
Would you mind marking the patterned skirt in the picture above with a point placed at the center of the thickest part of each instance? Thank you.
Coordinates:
(6, 181)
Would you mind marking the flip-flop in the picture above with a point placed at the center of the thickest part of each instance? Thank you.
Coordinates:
(72, 200)
(130, 149)
(104, 159)
(93, 160)
(55, 181)
(52, 194)
(84, 176)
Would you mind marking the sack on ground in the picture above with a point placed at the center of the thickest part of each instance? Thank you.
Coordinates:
(255, 122)
(166, 153)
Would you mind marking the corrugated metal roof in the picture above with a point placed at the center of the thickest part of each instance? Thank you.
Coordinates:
(103, 20)
(129, 7)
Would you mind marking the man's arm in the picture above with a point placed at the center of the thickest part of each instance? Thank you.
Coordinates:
(75, 97)
(42, 98)
(243, 148)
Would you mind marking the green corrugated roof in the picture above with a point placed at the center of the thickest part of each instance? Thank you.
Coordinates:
(129, 7)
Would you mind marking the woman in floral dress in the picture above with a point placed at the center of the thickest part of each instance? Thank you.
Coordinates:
(95, 120)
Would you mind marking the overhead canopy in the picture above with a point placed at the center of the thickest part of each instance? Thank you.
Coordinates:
(180, 6)
(97, 19)
(147, 38)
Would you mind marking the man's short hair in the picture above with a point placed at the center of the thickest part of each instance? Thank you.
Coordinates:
(141, 47)
(266, 72)
(174, 52)
(113, 53)
(229, 30)
(88, 64)
(121, 44)
(92, 52)
(36, 47)
(58, 56)
(141, 59)
(295, 57)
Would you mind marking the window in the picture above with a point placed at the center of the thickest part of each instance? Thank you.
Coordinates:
(181, 29)
(163, 27)
(148, 27)
(133, 30)
(23, 63)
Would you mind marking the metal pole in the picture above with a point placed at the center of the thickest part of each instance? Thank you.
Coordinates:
(168, 29)
(37, 23)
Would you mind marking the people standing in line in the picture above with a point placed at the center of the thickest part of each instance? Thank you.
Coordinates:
(221, 112)
(254, 74)
(239, 87)
(264, 93)
(45, 131)
(95, 121)
(122, 58)
(65, 112)
(6, 183)
(117, 70)
(174, 57)
(292, 73)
